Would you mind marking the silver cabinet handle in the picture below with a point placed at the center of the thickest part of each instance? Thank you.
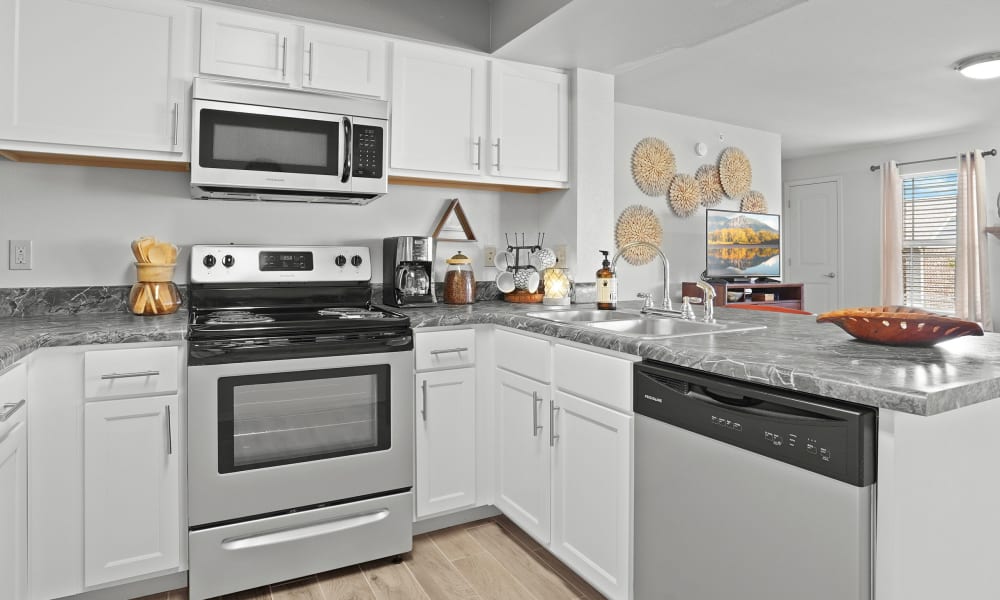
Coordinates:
(310, 62)
(170, 433)
(535, 401)
(449, 351)
(173, 133)
(830, 275)
(497, 146)
(10, 409)
(423, 404)
(130, 375)
(284, 56)
(552, 424)
(478, 154)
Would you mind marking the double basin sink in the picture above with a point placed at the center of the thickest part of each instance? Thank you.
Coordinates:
(637, 325)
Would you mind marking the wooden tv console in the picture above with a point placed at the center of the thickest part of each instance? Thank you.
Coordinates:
(788, 295)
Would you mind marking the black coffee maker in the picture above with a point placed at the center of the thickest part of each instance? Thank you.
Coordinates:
(407, 271)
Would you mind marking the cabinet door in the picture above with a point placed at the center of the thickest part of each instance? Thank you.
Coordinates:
(247, 46)
(438, 109)
(446, 441)
(337, 60)
(529, 122)
(523, 469)
(131, 493)
(104, 73)
(13, 513)
(592, 483)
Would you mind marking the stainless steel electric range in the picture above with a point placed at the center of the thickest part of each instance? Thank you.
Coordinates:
(300, 416)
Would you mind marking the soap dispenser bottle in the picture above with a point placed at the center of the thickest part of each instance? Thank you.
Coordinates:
(607, 285)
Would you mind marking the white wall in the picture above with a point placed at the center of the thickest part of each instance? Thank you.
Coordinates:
(862, 201)
(683, 239)
(82, 220)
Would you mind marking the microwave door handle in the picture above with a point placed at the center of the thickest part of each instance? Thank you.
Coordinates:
(348, 135)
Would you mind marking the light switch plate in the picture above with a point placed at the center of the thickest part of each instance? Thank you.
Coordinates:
(20, 255)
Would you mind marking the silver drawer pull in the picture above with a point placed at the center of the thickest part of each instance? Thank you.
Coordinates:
(9, 410)
(130, 375)
(449, 351)
(292, 534)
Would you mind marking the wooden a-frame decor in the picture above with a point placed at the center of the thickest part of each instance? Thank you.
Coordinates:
(454, 225)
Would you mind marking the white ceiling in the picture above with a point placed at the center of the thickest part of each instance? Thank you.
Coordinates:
(825, 74)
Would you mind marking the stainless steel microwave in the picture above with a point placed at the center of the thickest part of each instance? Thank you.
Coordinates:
(253, 142)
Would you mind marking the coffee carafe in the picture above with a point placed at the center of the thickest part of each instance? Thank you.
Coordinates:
(407, 268)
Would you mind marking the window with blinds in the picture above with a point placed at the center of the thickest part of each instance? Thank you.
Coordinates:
(930, 219)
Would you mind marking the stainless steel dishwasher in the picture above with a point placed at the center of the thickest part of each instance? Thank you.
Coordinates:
(749, 492)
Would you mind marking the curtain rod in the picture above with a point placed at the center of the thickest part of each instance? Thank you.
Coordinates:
(986, 153)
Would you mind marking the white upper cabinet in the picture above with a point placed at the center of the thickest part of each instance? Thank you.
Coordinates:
(247, 46)
(338, 60)
(529, 122)
(438, 109)
(106, 73)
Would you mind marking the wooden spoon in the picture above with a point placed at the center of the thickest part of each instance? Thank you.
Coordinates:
(145, 243)
(157, 254)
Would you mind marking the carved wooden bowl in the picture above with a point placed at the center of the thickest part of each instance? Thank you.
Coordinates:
(899, 325)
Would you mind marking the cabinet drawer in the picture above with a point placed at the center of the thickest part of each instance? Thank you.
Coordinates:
(603, 379)
(444, 349)
(13, 391)
(522, 354)
(130, 372)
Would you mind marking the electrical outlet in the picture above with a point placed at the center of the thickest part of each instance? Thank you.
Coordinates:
(560, 251)
(20, 255)
(489, 255)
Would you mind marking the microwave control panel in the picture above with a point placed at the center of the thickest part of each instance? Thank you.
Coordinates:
(367, 152)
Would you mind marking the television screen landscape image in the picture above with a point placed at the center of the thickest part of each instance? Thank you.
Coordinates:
(742, 245)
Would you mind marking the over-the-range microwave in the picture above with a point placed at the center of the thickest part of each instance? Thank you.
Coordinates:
(252, 142)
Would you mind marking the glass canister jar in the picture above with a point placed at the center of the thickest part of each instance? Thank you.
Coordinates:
(154, 293)
(459, 281)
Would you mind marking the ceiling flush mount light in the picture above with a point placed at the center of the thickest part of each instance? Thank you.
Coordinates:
(981, 66)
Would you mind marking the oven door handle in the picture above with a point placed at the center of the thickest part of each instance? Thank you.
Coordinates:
(399, 341)
(293, 534)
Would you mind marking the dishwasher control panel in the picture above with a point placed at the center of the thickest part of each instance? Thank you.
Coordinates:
(828, 438)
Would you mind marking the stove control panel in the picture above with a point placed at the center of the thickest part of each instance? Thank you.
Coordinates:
(264, 264)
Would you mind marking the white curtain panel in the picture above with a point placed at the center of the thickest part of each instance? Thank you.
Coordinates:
(892, 234)
(972, 293)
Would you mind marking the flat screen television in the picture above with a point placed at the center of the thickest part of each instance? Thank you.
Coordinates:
(742, 245)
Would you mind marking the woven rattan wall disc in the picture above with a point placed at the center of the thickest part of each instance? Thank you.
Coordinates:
(710, 185)
(685, 195)
(754, 202)
(653, 166)
(735, 173)
(638, 223)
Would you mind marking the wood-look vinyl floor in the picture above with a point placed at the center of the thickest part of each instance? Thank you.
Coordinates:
(484, 560)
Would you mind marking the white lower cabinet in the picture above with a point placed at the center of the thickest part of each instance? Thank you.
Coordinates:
(591, 499)
(131, 495)
(445, 441)
(522, 453)
(13, 486)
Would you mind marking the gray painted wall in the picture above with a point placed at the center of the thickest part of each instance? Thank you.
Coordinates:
(461, 23)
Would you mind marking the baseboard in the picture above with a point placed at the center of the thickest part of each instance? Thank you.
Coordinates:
(136, 589)
(456, 518)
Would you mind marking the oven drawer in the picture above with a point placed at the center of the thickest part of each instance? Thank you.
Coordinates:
(445, 349)
(250, 554)
(131, 372)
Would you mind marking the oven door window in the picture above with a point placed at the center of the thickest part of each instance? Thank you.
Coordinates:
(254, 142)
(285, 418)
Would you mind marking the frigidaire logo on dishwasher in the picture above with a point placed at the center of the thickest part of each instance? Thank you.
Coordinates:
(653, 398)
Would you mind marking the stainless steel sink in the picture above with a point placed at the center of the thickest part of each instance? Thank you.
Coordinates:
(583, 315)
(664, 327)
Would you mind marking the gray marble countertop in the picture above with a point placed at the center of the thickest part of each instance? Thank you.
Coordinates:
(793, 352)
(20, 336)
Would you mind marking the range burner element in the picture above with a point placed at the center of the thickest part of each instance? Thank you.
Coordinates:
(347, 312)
(236, 317)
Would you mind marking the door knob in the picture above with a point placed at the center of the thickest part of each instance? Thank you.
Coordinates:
(830, 275)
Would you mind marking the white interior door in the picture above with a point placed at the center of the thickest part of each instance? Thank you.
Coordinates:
(812, 242)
